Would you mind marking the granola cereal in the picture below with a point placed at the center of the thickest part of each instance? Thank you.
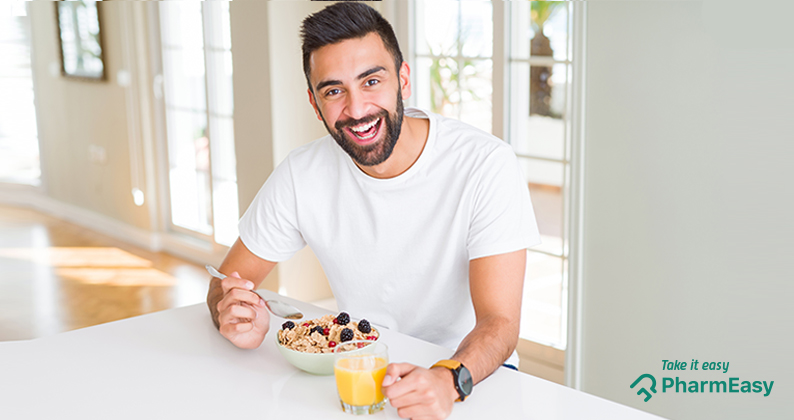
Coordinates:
(323, 334)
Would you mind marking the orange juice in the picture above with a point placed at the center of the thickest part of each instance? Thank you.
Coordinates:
(359, 380)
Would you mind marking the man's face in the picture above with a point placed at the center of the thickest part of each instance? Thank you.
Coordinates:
(358, 95)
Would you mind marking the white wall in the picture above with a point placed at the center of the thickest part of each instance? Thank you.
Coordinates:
(688, 201)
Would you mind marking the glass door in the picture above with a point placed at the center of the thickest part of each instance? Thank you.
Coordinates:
(197, 79)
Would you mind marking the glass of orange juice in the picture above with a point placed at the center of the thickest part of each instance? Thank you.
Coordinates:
(359, 368)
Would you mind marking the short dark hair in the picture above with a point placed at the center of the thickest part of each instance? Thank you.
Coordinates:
(342, 21)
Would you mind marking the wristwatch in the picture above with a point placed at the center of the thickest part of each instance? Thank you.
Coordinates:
(461, 377)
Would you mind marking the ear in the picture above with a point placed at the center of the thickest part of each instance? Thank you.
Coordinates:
(314, 104)
(405, 80)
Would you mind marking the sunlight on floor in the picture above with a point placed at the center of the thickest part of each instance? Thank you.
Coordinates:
(76, 257)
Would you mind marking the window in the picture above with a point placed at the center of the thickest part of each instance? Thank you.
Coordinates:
(197, 79)
(467, 51)
(19, 145)
(454, 59)
(539, 57)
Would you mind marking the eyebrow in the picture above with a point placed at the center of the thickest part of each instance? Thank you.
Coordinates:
(325, 83)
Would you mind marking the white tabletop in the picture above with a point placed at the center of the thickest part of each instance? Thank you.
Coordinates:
(175, 365)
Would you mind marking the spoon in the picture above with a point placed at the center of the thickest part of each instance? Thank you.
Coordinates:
(278, 308)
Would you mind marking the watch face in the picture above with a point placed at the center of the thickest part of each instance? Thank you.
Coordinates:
(464, 380)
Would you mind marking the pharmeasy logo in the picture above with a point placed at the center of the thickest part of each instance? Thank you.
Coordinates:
(678, 385)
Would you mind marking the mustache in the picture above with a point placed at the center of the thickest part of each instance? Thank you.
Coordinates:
(339, 125)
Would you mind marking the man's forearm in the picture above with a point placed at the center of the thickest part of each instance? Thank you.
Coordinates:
(487, 346)
(214, 295)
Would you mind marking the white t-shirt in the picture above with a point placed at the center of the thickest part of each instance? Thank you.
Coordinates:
(396, 251)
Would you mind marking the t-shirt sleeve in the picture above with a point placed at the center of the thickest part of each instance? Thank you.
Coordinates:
(269, 228)
(503, 219)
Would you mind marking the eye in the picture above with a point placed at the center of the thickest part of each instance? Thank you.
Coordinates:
(332, 92)
(371, 82)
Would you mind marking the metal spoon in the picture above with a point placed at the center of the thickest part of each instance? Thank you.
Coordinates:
(278, 308)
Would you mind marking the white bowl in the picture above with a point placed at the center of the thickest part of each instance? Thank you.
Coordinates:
(314, 363)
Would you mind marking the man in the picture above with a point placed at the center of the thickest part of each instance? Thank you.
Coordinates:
(420, 222)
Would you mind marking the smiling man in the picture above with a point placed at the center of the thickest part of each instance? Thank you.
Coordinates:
(420, 222)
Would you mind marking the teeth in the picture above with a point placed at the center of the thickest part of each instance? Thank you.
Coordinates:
(366, 127)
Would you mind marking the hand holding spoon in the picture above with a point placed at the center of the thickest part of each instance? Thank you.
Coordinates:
(278, 308)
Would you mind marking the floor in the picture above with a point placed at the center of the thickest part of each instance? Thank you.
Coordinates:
(58, 277)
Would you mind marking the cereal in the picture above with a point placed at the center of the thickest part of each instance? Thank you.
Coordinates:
(306, 337)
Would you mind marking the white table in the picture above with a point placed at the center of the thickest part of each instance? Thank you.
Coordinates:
(174, 365)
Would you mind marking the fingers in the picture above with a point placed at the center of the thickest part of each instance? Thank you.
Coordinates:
(393, 388)
(236, 313)
(239, 296)
(234, 281)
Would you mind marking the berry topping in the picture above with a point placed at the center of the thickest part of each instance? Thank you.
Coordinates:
(317, 328)
(332, 344)
(343, 318)
(371, 337)
(361, 345)
(346, 335)
(364, 326)
(305, 324)
(326, 331)
(288, 325)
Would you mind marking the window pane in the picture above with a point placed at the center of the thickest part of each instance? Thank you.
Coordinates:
(224, 163)
(184, 78)
(224, 181)
(19, 147)
(542, 313)
(220, 75)
(545, 182)
(537, 124)
(476, 93)
(437, 26)
(188, 153)
(218, 28)
(437, 85)
(539, 28)
(181, 24)
(226, 212)
(476, 31)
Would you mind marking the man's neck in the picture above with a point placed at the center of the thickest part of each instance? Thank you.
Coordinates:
(413, 137)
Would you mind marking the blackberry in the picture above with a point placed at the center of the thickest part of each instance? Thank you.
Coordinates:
(317, 328)
(343, 318)
(288, 325)
(364, 326)
(346, 335)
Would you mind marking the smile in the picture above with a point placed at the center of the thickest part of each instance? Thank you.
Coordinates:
(365, 132)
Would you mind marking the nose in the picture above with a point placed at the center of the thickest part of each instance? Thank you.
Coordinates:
(356, 106)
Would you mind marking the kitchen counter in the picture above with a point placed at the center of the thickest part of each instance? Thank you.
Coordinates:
(174, 364)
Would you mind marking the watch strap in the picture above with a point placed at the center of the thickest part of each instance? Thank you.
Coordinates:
(453, 366)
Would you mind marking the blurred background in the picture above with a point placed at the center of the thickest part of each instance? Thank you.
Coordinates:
(654, 138)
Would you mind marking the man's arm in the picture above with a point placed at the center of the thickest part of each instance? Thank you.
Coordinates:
(496, 285)
(239, 313)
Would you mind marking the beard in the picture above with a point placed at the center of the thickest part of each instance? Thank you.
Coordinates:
(375, 153)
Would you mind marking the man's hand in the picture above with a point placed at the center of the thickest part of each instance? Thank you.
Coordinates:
(243, 317)
(420, 393)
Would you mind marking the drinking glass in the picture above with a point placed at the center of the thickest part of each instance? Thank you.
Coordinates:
(359, 368)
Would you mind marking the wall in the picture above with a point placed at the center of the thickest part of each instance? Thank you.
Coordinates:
(74, 115)
(687, 231)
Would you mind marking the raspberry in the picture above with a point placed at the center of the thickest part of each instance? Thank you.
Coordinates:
(346, 335)
(288, 325)
(343, 318)
(364, 326)
(332, 344)
(371, 337)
